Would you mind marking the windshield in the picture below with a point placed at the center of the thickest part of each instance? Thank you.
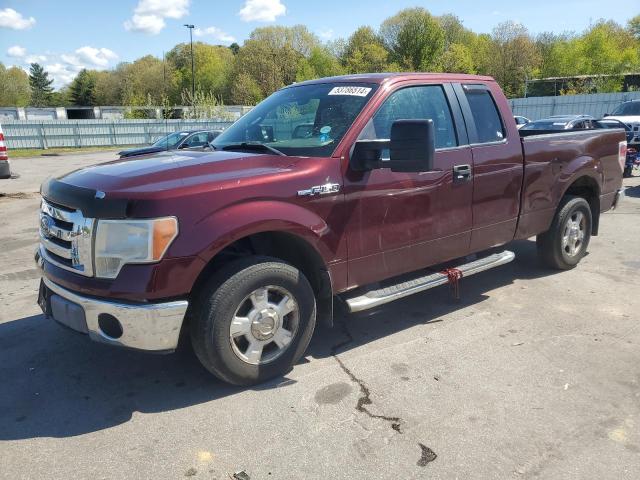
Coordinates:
(306, 121)
(545, 125)
(170, 140)
(629, 108)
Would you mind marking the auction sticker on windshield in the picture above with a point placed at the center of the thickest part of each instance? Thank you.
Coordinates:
(353, 91)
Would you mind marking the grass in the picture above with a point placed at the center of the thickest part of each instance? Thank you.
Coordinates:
(37, 152)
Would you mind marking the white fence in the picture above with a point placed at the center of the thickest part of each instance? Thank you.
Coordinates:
(597, 104)
(87, 133)
(90, 133)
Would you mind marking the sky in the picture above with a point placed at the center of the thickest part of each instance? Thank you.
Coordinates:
(68, 35)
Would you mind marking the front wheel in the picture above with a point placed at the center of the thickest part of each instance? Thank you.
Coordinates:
(253, 320)
(566, 241)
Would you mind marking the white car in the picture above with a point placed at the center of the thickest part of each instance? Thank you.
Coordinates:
(629, 114)
(5, 170)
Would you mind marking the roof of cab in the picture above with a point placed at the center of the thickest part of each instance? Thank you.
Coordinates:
(381, 78)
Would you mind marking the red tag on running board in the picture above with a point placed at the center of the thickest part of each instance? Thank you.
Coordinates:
(453, 275)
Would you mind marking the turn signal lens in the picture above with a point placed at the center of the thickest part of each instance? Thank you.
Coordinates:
(164, 231)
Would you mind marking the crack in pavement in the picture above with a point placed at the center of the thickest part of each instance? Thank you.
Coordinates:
(365, 393)
(427, 455)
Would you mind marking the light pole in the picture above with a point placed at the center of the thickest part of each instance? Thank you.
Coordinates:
(193, 78)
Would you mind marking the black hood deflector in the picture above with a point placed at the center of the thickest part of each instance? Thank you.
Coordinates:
(92, 203)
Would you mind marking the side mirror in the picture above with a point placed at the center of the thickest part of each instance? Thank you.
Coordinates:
(606, 115)
(411, 148)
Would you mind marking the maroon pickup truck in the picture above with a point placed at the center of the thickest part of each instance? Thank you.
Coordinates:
(339, 188)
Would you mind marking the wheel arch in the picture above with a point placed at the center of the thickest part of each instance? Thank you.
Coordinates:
(287, 246)
(587, 187)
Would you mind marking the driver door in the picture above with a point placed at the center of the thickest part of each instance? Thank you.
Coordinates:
(401, 222)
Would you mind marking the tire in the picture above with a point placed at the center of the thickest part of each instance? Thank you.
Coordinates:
(247, 298)
(628, 172)
(562, 247)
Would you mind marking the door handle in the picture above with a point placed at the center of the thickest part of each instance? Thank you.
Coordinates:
(461, 173)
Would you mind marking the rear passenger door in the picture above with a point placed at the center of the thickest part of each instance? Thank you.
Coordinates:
(497, 164)
(401, 222)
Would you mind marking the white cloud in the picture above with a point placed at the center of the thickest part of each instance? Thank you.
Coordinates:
(62, 74)
(214, 32)
(89, 57)
(99, 57)
(262, 10)
(35, 59)
(64, 67)
(9, 18)
(326, 34)
(17, 51)
(148, 16)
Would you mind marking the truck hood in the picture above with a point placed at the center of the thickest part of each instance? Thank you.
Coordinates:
(175, 171)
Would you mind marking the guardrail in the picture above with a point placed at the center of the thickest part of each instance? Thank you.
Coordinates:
(92, 133)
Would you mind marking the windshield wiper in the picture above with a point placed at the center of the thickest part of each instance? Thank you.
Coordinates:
(252, 146)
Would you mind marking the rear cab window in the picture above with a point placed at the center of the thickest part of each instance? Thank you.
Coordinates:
(489, 126)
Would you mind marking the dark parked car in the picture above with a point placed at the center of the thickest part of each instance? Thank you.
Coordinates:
(562, 122)
(192, 140)
(521, 121)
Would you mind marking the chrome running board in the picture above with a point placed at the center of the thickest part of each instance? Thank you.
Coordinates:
(374, 298)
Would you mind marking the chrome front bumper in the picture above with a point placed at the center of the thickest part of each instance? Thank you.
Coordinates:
(152, 326)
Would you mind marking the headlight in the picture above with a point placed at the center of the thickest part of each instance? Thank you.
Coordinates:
(119, 242)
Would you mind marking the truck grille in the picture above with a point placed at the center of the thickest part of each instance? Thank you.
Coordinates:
(66, 238)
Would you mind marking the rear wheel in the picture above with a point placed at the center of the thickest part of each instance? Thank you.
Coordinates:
(565, 243)
(253, 320)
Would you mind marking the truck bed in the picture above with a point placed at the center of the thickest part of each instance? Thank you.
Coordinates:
(550, 162)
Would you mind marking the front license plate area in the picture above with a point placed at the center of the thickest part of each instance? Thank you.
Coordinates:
(44, 299)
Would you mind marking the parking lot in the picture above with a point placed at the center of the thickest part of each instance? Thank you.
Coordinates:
(532, 374)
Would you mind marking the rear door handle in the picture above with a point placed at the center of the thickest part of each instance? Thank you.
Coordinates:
(461, 173)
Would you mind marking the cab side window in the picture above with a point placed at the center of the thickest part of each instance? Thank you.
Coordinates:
(420, 102)
(485, 115)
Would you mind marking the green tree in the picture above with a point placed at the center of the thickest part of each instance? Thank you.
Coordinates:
(513, 57)
(457, 59)
(245, 90)
(40, 84)
(633, 26)
(15, 90)
(108, 87)
(82, 89)
(455, 31)
(414, 38)
(364, 52)
(213, 65)
(298, 38)
(320, 63)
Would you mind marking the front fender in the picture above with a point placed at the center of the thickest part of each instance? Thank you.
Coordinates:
(213, 233)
